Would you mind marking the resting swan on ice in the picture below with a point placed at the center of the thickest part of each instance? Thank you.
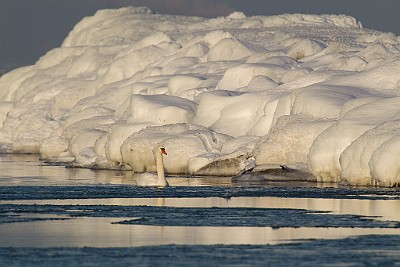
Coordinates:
(151, 179)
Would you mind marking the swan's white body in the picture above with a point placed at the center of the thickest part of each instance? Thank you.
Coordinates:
(151, 179)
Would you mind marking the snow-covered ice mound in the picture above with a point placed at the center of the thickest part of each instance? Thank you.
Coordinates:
(224, 95)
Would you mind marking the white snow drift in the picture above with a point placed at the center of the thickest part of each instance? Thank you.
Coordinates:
(223, 95)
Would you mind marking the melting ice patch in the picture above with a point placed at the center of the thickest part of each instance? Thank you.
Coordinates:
(223, 94)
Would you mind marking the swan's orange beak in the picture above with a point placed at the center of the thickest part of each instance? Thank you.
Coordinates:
(163, 151)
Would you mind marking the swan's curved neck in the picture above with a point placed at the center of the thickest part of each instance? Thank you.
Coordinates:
(160, 167)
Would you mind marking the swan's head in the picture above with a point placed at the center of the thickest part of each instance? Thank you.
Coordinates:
(161, 149)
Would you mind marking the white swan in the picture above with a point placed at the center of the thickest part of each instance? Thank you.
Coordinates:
(150, 179)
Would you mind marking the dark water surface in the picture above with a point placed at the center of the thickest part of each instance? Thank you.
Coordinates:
(54, 216)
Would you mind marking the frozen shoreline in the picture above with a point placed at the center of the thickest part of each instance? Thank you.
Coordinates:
(318, 94)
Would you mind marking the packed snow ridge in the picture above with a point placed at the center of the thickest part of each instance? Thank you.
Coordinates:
(312, 92)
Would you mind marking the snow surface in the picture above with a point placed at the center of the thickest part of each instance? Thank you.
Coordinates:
(222, 94)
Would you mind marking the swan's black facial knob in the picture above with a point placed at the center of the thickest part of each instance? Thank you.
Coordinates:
(163, 150)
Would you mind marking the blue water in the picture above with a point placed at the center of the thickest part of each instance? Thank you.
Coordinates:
(56, 216)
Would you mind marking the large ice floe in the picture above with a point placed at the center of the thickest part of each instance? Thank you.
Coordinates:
(234, 95)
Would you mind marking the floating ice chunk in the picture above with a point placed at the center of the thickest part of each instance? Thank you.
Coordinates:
(218, 165)
(276, 172)
(234, 156)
